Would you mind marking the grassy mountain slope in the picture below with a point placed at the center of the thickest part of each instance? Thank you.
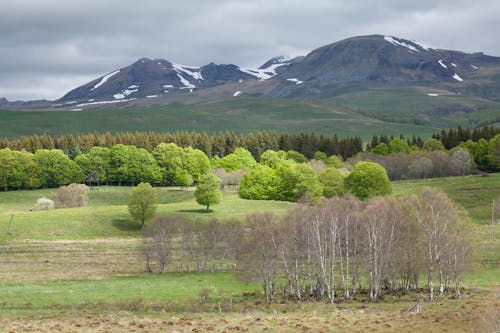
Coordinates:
(249, 114)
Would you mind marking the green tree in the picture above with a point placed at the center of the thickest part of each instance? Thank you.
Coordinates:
(8, 164)
(56, 168)
(432, 144)
(26, 173)
(183, 178)
(195, 162)
(272, 158)
(95, 164)
(332, 181)
(494, 152)
(170, 158)
(381, 149)
(207, 191)
(142, 205)
(259, 183)
(239, 159)
(320, 155)
(334, 162)
(368, 180)
(295, 179)
(296, 156)
(398, 145)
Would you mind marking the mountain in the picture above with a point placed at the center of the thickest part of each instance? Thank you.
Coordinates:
(373, 73)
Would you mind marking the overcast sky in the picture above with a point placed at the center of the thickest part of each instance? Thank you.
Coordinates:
(48, 47)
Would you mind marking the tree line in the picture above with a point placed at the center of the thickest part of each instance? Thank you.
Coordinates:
(334, 250)
(217, 144)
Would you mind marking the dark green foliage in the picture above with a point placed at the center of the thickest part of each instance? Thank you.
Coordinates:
(368, 180)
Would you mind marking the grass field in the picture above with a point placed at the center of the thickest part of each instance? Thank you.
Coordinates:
(79, 269)
(241, 115)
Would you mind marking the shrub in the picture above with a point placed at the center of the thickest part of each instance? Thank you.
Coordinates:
(73, 195)
(44, 204)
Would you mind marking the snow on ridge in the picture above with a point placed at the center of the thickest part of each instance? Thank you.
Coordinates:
(442, 64)
(133, 86)
(454, 65)
(76, 110)
(151, 96)
(457, 77)
(167, 86)
(106, 102)
(186, 83)
(187, 70)
(237, 93)
(294, 79)
(104, 79)
(395, 42)
(475, 67)
(433, 95)
(264, 73)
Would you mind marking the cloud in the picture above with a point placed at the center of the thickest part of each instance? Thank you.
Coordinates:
(49, 47)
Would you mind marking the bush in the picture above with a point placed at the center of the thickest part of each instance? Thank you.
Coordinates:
(44, 204)
(73, 195)
(368, 180)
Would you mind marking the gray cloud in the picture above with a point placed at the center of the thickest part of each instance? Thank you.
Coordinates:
(50, 46)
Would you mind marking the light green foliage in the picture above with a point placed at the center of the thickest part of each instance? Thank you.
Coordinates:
(432, 144)
(169, 157)
(368, 180)
(7, 165)
(132, 165)
(494, 152)
(320, 155)
(334, 162)
(295, 179)
(26, 173)
(332, 181)
(183, 178)
(398, 145)
(381, 149)
(296, 156)
(56, 168)
(239, 159)
(272, 158)
(207, 191)
(259, 183)
(143, 203)
(95, 164)
(195, 162)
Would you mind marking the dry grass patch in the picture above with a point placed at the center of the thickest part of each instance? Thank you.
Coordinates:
(32, 261)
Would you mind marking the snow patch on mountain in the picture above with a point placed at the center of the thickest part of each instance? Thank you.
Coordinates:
(294, 79)
(396, 42)
(186, 83)
(188, 70)
(104, 79)
(126, 92)
(475, 67)
(264, 73)
(237, 93)
(442, 64)
(454, 65)
(106, 102)
(457, 77)
(433, 95)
